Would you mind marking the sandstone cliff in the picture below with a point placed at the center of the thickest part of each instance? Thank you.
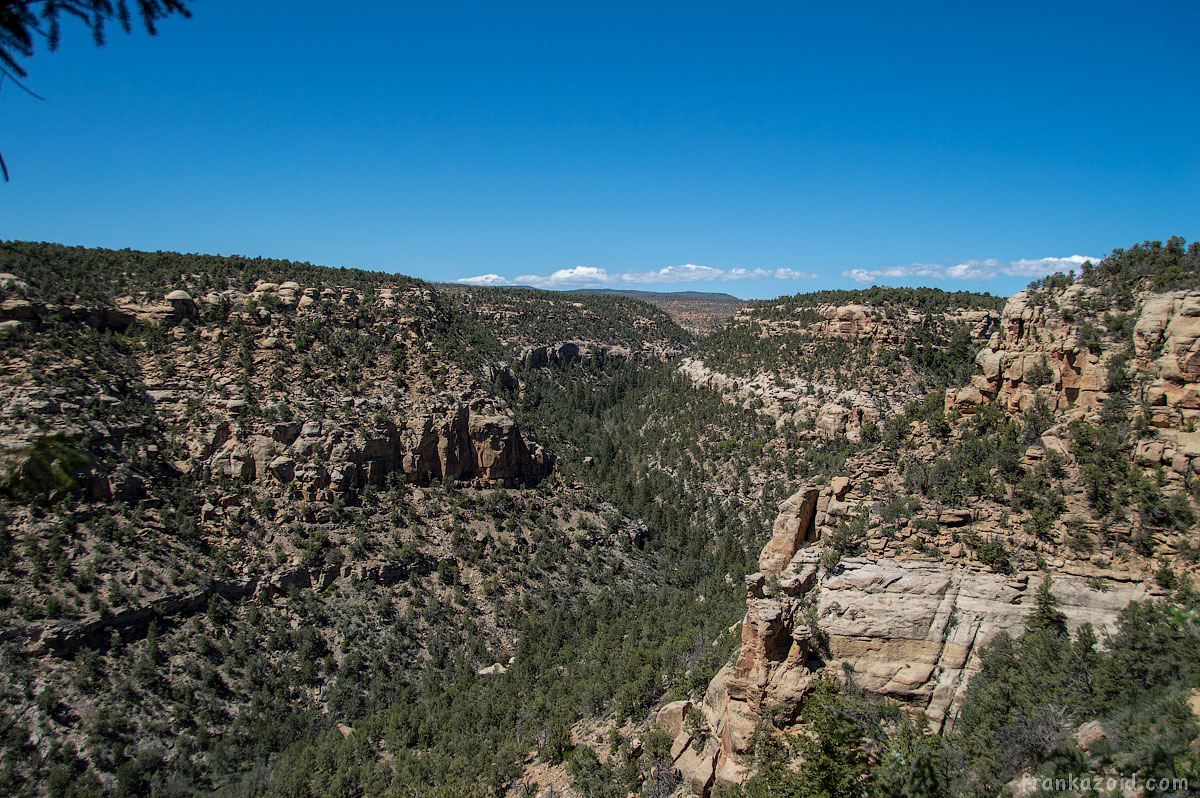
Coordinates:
(476, 440)
(906, 628)
(833, 370)
(1062, 344)
(882, 577)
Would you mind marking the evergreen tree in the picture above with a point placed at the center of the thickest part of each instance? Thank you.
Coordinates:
(1046, 616)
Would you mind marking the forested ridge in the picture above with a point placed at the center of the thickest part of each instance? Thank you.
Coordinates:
(417, 559)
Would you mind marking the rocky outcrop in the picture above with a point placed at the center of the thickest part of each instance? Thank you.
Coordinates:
(501, 374)
(474, 440)
(1050, 347)
(463, 443)
(909, 629)
(22, 304)
(64, 639)
(1176, 450)
(805, 517)
(176, 306)
(849, 321)
(1038, 352)
(869, 322)
(1166, 342)
(793, 528)
(16, 312)
(912, 630)
(829, 412)
(566, 352)
(694, 759)
(1053, 349)
(573, 351)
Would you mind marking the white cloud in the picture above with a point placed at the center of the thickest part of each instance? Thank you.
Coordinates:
(782, 273)
(973, 270)
(687, 273)
(484, 279)
(575, 277)
(978, 270)
(595, 277)
(1040, 267)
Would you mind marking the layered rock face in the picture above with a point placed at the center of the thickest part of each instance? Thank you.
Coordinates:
(564, 353)
(466, 434)
(1039, 350)
(1050, 345)
(1050, 350)
(909, 629)
(906, 629)
(1166, 341)
(857, 321)
(831, 414)
(844, 415)
(477, 440)
(871, 343)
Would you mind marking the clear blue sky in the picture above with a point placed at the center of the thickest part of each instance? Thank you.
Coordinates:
(806, 147)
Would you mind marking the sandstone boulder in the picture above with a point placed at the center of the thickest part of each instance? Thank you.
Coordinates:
(831, 420)
(495, 669)
(793, 527)
(698, 768)
(672, 716)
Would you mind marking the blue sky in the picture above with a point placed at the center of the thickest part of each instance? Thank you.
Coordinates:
(756, 149)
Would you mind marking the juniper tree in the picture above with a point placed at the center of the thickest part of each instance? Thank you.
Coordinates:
(23, 22)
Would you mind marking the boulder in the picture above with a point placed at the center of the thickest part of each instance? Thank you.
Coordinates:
(495, 669)
(672, 716)
(698, 768)
(181, 304)
(21, 309)
(284, 468)
(126, 486)
(793, 527)
(1089, 734)
(831, 420)
(10, 282)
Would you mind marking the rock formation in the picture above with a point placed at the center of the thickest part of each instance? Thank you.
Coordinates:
(1050, 346)
(831, 413)
(573, 351)
(865, 374)
(1054, 347)
(566, 352)
(907, 629)
(476, 440)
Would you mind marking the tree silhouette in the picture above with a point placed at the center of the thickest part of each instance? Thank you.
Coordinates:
(23, 22)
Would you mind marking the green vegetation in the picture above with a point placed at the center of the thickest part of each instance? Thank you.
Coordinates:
(98, 276)
(50, 463)
(1020, 717)
(776, 336)
(611, 584)
(1150, 265)
(573, 581)
(926, 300)
(542, 317)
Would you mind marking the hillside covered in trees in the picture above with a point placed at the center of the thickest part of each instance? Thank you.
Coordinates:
(269, 528)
